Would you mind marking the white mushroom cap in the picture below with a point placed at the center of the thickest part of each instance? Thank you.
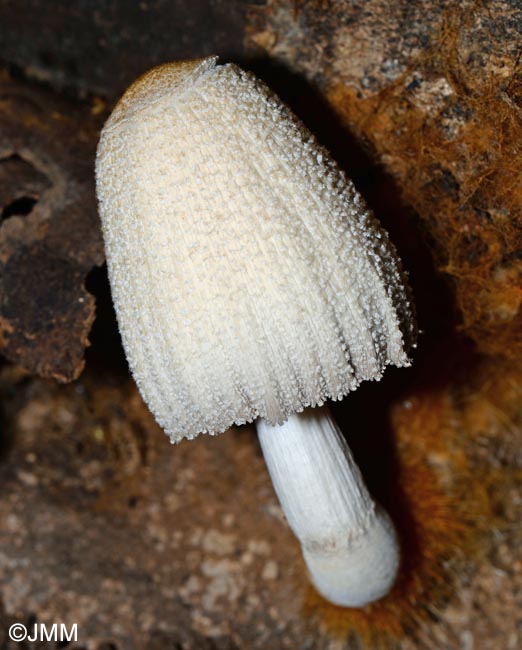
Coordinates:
(248, 276)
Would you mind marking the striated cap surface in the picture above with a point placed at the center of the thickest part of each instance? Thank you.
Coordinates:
(248, 276)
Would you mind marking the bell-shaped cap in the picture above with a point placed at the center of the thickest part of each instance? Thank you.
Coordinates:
(249, 278)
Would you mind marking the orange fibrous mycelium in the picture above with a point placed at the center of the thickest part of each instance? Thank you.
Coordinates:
(442, 498)
(450, 134)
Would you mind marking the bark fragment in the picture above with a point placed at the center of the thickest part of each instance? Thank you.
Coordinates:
(49, 232)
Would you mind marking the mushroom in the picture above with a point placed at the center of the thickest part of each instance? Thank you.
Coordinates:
(251, 282)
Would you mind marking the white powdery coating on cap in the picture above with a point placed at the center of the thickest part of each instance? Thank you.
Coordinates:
(248, 276)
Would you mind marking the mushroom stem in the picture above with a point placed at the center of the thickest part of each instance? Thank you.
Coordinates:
(349, 543)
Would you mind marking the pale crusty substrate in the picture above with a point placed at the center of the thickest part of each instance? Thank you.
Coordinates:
(183, 545)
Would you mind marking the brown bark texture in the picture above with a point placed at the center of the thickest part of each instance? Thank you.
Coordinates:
(49, 236)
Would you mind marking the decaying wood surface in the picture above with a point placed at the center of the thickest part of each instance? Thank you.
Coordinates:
(49, 233)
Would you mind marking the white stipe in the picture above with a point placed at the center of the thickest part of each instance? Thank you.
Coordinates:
(349, 544)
